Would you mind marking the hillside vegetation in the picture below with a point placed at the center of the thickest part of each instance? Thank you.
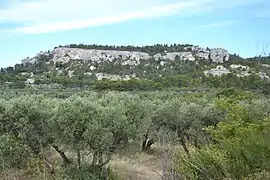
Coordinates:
(138, 68)
(222, 135)
(99, 118)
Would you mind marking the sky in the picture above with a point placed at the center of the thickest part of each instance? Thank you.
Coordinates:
(30, 26)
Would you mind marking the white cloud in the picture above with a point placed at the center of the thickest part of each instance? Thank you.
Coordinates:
(217, 24)
(46, 16)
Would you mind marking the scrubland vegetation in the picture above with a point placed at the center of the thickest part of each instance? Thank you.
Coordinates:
(170, 120)
(214, 135)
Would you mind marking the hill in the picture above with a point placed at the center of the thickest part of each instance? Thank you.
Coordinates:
(130, 67)
(193, 113)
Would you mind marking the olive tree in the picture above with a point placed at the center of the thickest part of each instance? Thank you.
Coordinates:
(170, 116)
(139, 112)
(24, 123)
(69, 123)
(13, 153)
(185, 120)
(95, 125)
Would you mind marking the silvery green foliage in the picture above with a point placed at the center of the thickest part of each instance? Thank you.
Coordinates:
(71, 118)
(13, 153)
(97, 123)
(23, 130)
(3, 106)
(241, 146)
(107, 123)
(27, 119)
(261, 106)
(180, 118)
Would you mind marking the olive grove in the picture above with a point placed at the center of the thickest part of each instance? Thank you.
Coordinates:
(217, 133)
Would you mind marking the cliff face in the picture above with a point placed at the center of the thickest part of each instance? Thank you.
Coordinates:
(65, 54)
(130, 67)
(124, 65)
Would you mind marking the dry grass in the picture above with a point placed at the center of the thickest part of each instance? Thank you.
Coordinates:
(144, 166)
(139, 166)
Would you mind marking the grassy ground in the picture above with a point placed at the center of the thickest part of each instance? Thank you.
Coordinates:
(138, 166)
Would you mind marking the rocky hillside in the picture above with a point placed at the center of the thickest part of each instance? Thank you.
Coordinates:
(88, 63)
(191, 53)
(67, 60)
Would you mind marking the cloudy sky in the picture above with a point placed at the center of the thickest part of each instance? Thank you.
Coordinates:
(30, 26)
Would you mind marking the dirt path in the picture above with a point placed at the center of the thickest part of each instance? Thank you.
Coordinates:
(140, 167)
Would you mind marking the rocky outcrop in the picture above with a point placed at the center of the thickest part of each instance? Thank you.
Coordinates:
(186, 56)
(29, 60)
(217, 55)
(240, 70)
(263, 75)
(30, 81)
(132, 58)
(64, 54)
(218, 71)
(99, 64)
(111, 77)
(236, 69)
(239, 67)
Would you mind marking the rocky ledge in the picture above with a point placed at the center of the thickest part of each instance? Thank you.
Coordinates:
(192, 53)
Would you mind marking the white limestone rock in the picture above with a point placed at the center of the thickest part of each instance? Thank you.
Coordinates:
(65, 54)
(263, 75)
(29, 60)
(217, 55)
(162, 63)
(88, 73)
(240, 70)
(92, 68)
(59, 72)
(97, 55)
(25, 74)
(101, 76)
(186, 56)
(131, 62)
(218, 71)
(70, 73)
(126, 78)
(239, 67)
(266, 65)
(30, 81)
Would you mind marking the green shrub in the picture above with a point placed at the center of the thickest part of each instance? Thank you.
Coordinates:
(13, 153)
(241, 148)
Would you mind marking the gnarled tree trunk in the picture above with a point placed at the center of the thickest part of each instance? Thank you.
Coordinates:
(145, 137)
(63, 155)
(78, 157)
(149, 144)
(146, 145)
(183, 143)
(49, 165)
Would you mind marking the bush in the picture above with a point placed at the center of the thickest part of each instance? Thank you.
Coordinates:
(13, 154)
(241, 148)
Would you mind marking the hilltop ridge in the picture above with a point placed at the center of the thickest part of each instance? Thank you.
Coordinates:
(154, 66)
(107, 53)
